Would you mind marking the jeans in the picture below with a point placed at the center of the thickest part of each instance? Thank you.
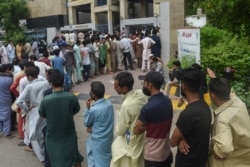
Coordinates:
(85, 72)
(67, 83)
(126, 56)
(69, 74)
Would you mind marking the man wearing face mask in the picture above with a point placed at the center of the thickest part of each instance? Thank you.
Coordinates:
(192, 132)
(155, 119)
(99, 120)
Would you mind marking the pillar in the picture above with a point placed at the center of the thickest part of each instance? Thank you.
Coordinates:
(110, 21)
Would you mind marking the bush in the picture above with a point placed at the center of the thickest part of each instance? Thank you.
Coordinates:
(221, 49)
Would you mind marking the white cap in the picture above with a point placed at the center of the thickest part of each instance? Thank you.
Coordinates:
(55, 47)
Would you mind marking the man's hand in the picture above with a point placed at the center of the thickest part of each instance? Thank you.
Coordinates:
(89, 129)
(211, 73)
(183, 146)
(88, 103)
(218, 158)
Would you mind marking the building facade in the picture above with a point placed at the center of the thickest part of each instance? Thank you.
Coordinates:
(109, 15)
(46, 18)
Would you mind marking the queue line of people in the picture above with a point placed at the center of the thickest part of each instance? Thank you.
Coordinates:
(144, 122)
(218, 138)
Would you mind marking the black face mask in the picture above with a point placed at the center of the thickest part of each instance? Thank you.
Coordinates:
(146, 91)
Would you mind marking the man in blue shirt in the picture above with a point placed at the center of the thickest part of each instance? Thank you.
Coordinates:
(99, 120)
(58, 63)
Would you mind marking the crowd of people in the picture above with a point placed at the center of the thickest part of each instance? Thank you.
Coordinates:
(38, 90)
(217, 138)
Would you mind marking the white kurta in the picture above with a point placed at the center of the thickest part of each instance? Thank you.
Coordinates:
(32, 95)
(146, 43)
(4, 54)
(43, 67)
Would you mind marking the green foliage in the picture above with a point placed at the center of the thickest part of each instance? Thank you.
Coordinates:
(220, 49)
(223, 14)
(170, 62)
(186, 61)
(192, 5)
(11, 11)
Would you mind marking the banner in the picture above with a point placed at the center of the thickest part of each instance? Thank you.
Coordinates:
(189, 44)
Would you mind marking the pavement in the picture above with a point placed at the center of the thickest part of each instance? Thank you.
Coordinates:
(12, 155)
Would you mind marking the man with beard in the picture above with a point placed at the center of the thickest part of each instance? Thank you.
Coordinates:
(127, 148)
(99, 121)
(192, 131)
(155, 119)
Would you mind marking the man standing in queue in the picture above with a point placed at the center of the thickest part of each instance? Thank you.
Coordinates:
(155, 119)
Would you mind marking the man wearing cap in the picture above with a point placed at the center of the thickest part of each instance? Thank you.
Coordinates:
(192, 131)
(155, 120)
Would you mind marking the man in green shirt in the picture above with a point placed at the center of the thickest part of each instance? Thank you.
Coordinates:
(59, 109)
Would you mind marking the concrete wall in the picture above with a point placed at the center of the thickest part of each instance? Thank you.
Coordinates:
(177, 16)
(51, 33)
(41, 8)
(165, 31)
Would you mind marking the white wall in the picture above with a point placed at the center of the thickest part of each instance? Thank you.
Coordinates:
(196, 20)
(51, 33)
(165, 31)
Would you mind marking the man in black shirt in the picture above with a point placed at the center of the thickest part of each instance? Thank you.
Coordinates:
(192, 131)
(174, 81)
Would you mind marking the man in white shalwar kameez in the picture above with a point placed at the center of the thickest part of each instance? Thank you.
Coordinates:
(3, 54)
(146, 43)
(127, 148)
(29, 101)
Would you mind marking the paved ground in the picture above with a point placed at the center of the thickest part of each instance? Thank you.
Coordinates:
(12, 155)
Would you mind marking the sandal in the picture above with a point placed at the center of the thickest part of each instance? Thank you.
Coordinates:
(21, 144)
(27, 148)
(9, 136)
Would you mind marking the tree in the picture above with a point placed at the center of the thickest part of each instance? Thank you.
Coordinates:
(224, 14)
(11, 11)
(221, 49)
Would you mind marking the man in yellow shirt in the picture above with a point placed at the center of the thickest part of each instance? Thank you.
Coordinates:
(127, 148)
(230, 146)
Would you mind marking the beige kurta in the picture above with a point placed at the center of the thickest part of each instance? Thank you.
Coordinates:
(231, 135)
(129, 153)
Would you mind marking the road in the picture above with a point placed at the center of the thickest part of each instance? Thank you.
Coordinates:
(12, 155)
